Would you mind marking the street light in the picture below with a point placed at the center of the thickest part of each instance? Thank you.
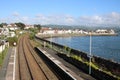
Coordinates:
(2, 43)
(51, 40)
(90, 56)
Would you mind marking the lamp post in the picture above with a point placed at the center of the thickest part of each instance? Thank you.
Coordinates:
(90, 56)
(51, 40)
(2, 43)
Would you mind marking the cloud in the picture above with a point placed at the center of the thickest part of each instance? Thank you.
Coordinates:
(115, 15)
(2, 20)
(16, 17)
(65, 19)
(69, 19)
(112, 18)
(90, 19)
(15, 14)
(41, 19)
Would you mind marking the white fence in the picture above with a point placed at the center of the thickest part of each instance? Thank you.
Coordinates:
(2, 47)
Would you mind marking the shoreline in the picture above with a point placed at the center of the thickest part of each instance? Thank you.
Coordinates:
(74, 35)
(102, 62)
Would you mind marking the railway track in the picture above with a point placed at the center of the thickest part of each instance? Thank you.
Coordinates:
(31, 67)
(24, 72)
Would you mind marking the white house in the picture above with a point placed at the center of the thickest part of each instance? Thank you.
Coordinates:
(49, 32)
(4, 31)
(101, 31)
(3, 44)
(12, 34)
(112, 31)
(12, 27)
(29, 26)
(67, 31)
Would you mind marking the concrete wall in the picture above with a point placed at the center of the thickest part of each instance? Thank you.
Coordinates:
(2, 47)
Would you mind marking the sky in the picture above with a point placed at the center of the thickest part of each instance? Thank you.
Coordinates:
(61, 12)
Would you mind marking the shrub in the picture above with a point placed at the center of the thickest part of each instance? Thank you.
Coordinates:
(11, 40)
(32, 36)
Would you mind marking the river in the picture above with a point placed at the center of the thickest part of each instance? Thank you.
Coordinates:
(103, 46)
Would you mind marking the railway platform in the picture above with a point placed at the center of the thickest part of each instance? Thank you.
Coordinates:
(7, 71)
(78, 72)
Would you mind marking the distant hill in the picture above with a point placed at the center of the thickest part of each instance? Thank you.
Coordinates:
(83, 27)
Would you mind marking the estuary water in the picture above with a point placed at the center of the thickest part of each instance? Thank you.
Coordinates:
(103, 46)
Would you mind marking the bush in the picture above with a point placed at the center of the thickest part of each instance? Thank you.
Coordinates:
(32, 36)
(11, 40)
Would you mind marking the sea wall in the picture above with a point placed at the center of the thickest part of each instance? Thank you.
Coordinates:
(98, 74)
(103, 64)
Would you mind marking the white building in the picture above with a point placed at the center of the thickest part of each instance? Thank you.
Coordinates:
(112, 31)
(3, 44)
(101, 31)
(12, 34)
(29, 26)
(60, 32)
(49, 32)
(12, 27)
(4, 31)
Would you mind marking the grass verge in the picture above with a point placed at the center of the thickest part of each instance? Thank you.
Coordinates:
(2, 55)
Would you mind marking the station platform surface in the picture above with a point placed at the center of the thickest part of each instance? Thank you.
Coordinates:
(7, 72)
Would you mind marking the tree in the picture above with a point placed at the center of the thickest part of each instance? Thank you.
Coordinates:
(3, 24)
(21, 25)
(38, 26)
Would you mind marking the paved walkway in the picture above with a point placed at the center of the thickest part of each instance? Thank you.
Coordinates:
(8, 69)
